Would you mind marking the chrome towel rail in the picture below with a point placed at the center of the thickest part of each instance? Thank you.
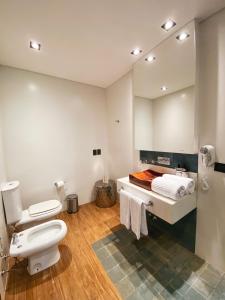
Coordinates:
(150, 203)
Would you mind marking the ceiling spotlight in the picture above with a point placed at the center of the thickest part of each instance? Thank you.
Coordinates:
(182, 36)
(164, 88)
(168, 25)
(136, 51)
(150, 58)
(35, 45)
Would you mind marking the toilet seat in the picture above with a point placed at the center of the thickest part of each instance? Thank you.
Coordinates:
(38, 238)
(43, 207)
(43, 214)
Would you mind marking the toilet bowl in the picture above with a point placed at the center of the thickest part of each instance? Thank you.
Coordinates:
(39, 244)
(35, 213)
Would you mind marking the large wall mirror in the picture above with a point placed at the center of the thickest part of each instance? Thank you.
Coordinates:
(164, 95)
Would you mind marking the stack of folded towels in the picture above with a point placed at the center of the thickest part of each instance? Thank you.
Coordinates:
(173, 186)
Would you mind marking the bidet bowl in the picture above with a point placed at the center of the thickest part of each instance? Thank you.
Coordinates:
(38, 238)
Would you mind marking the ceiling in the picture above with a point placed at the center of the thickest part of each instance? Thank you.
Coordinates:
(89, 41)
(174, 66)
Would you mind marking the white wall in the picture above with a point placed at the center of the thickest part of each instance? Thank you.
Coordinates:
(143, 123)
(50, 127)
(2, 163)
(119, 98)
(3, 232)
(211, 204)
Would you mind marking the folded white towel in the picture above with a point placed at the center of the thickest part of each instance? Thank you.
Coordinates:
(169, 188)
(138, 217)
(188, 183)
(125, 208)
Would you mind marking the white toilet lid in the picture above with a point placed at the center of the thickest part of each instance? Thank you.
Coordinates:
(43, 207)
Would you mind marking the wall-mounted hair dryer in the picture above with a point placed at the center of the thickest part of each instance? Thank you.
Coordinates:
(207, 155)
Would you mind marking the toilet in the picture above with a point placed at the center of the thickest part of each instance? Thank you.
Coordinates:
(39, 244)
(35, 213)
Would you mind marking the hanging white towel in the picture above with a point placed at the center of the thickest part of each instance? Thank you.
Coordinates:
(188, 183)
(168, 188)
(125, 208)
(138, 217)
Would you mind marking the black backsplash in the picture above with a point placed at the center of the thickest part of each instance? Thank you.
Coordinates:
(219, 167)
(182, 160)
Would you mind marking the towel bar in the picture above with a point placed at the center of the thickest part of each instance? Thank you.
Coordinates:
(150, 203)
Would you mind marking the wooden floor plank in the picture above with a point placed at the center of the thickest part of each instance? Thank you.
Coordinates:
(79, 274)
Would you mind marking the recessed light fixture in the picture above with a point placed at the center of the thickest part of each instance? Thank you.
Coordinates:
(150, 58)
(35, 45)
(182, 36)
(168, 25)
(136, 51)
(164, 88)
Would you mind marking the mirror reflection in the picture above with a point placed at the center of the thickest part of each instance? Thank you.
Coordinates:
(164, 95)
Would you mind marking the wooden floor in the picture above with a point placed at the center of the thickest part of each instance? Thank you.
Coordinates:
(78, 274)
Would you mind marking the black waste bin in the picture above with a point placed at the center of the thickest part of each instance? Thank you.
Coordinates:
(72, 203)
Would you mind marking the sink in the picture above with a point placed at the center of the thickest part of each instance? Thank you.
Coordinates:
(144, 178)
